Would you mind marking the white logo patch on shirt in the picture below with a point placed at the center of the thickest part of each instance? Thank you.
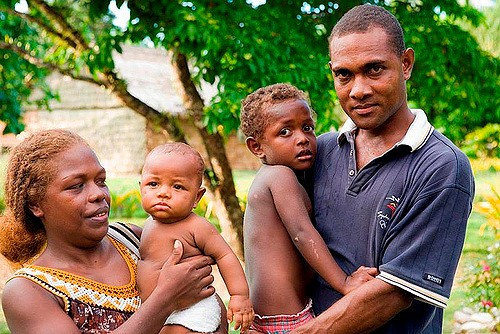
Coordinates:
(434, 279)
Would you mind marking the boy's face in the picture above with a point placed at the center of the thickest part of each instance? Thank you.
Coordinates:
(170, 186)
(289, 138)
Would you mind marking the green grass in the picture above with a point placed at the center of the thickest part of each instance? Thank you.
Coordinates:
(475, 246)
(474, 249)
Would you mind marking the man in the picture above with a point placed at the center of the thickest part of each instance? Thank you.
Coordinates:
(389, 190)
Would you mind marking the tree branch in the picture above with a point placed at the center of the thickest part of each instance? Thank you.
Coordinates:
(42, 25)
(65, 29)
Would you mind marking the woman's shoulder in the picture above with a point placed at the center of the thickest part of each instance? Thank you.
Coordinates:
(21, 297)
(127, 234)
(21, 290)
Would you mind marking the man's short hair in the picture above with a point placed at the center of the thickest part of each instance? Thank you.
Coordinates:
(361, 18)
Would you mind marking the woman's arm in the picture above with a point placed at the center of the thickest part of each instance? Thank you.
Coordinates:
(29, 308)
(179, 285)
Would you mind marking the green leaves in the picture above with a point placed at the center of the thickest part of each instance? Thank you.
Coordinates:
(241, 48)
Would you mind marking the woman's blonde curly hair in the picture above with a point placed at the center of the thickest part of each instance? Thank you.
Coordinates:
(30, 170)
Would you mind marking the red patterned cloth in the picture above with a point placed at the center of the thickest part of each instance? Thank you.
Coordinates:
(283, 323)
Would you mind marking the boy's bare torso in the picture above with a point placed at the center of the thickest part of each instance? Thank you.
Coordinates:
(157, 243)
(276, 271)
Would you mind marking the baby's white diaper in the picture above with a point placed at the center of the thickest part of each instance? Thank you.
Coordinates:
(203, 317)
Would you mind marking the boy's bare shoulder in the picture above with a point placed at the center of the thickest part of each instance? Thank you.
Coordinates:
(272, 173)
(198, 223)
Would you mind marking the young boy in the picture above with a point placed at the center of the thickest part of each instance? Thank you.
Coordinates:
(170, 188)
(277, 226)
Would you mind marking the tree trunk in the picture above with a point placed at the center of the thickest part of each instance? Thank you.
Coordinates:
(220, 181)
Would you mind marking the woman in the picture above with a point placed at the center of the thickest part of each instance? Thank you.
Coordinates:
(83, 281)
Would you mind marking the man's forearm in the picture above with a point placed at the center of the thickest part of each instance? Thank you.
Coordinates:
(360, 311)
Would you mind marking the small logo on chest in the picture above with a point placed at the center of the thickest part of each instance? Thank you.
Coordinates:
(387, 212)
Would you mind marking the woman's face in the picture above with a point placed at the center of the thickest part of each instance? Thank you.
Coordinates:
(76, 204)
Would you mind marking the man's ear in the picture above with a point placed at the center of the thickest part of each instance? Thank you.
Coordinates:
(36, 210)
(408, 60)
(199, 195)
(254, 147)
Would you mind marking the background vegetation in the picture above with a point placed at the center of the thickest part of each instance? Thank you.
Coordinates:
(239, 47)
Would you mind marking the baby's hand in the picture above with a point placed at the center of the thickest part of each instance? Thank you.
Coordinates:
(240, 311)
(359, 277)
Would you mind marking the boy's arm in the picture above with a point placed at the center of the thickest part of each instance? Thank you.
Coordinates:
(291, 203)
(209, 240)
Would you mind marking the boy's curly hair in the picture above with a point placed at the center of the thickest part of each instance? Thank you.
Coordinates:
(253, 116)
(30, 170)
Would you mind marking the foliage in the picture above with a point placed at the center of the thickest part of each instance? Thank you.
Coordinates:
(485, 164)
(2, 204)
(483, 278)
(32, 46)
(4, 329)
(490, 208)
(239, 48)
(488, 34)
(127, 205)
(452, 75)
(483, 142)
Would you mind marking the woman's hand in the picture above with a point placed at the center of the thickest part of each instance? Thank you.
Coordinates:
(185, 283)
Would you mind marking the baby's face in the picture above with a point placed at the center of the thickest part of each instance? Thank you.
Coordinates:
(289, 138)
(170, 186)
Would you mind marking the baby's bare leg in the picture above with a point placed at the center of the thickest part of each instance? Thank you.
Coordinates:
(175, 329)
(178, 329)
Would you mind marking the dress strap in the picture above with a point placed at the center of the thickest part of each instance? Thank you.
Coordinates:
(125, 235)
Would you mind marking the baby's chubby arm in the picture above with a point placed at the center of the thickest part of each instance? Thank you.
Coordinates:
(293, 205)
(240, 308)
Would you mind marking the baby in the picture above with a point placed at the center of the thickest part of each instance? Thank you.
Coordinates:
(171, 188)
(277, 229)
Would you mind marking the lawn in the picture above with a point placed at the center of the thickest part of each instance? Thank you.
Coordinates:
(474, 248)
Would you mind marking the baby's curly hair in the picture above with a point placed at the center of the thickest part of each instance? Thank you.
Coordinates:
(29, 172)
(182, 149)
(254, 107)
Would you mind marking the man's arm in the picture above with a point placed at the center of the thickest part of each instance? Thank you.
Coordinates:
(361, 311)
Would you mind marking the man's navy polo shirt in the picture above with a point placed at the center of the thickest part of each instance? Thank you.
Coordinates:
(404, 213)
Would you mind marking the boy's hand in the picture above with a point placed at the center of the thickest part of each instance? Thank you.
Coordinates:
(359, 277)
(240, 311)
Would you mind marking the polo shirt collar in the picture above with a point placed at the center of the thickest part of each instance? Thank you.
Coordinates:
(416, 136)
